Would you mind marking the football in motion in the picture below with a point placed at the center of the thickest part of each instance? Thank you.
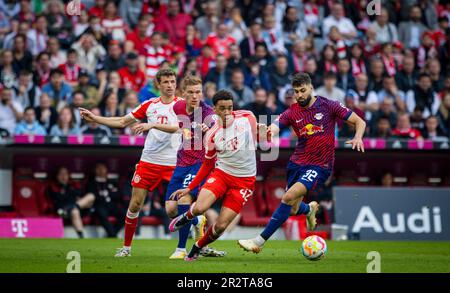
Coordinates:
(314, 248)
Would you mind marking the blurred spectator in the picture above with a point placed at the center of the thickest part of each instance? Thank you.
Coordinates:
(429, 13)
(337, 18)
(107, 200)
(11, 111)
(347, 130)
(38, 35)
(249, 9)
(43, 69)
(256, 77)
(345, 79)
(298, 57)
(433, 130)
(57, 89)
(387, 179)
(259, 106)
(248, 45)
(382, 129)
(59, 25)
(235, 60)
(65, 124)
(361, 84)
(220, 40)
(129, 11)
(336, 40)
(109, 106)
(95, 128)
(423, 96)
(273, 36)
(174, 22)
(376, 75)
(444, 114)
(406, 77)
(293, 28)
(22, 29)
(386, 32)
(262, 54)
(89, 52)
(190, 68)
(131, 76)
(98, 8)
(404, 129)
(427, 49)
(279, 75)
(90, 92)
(71, 69)
(26, 92)
(313, 16)
(193, 44)
(409, 32)
(416, 118)
(45, 113)
(112, 23)
(78, 99)
(153, 55)
(389, 62)
(220, 75)
(311, 69)
(97, 31)
(9, 7)
(328, 60)
(114, 59)
(129, 103)
(433, 69)
(22, 57)
(389, 91)
(8, 69)
(386, 111)
(81, 24)
(112, 84)
(68, 200)
(329, 89)
(210, 90)
(138, 38)
(207, 23)
(57, 56)
(357, 61)
(29, 125)
(242, 94)
(236, 25)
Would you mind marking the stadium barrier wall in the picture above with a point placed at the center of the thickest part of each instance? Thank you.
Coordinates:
(373, 213)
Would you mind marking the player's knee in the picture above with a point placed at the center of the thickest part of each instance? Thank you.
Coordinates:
(199, 209)
(75, 213)
(289, 198)
(185, 200)
(171, 209)
(135, 205)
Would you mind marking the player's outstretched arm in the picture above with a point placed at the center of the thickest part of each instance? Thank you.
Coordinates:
(265, 133)
(113, 122)
(143, 127)
(360, 126)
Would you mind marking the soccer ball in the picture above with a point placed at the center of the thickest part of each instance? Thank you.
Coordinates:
(314, 248)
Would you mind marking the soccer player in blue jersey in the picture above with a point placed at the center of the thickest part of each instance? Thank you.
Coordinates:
(194, 119)
(313, 119)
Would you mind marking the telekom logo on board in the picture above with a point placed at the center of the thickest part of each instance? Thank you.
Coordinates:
(20, 227)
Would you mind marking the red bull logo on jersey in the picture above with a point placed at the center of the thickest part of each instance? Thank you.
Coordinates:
(187, 134)
(310, 129)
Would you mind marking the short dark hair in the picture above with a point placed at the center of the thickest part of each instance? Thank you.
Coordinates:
(29, 108)
(222, 95)
(300, 79)
(164, 72)
(56, 71)
(329, 75)
(422, 75)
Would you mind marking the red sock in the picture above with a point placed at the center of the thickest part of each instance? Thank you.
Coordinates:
(189, 214)
(210, 236)
(130, 228)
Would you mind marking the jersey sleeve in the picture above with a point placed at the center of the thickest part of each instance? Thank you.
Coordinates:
(339, 110)
(284, 120)
(140, 113)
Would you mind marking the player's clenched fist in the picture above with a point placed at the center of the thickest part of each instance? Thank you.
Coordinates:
(180, 193)
(141, 128)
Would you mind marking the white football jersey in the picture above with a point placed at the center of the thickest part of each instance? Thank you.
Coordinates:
(234, 146)
(160, 147)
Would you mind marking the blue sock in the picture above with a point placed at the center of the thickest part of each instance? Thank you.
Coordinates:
(195, 221)
(183, 233)
(280, 216)
(303, 209)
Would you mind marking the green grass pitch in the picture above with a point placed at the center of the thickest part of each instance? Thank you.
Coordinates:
(49, 255)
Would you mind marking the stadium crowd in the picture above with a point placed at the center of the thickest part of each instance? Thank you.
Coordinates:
(392, 67)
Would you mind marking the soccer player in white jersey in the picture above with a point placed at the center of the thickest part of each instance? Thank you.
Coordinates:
(232, 177)
(159, 156)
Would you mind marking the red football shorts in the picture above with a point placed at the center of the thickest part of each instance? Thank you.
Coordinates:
(235, 191)
(149, 176)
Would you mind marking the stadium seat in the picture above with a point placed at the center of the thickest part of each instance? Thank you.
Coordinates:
(25, 198)
(151, 221)
(274, 190)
